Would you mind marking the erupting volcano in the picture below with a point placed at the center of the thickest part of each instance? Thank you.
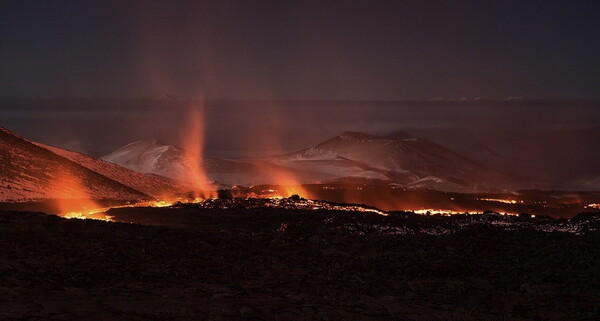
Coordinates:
(388, 172)
(299, 160)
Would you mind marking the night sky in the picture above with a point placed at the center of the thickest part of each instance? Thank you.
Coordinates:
(353, 50)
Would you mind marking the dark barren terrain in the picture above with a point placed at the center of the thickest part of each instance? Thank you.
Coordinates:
(257, 260)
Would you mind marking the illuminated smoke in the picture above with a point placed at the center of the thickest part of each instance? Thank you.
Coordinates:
(270, 138)
(193, 143)
(72, 198)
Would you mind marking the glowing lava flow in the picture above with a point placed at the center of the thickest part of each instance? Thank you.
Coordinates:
(270, 202)
(499, 200)
(99, 213)
(445, 212)
(319, 205)
(94, 214)
(292, 203)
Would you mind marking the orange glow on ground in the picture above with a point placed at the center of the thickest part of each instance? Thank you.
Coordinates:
(448, 212)
(499, 200)
(73, 201)
(292, 188)
(98, 213)
(93, 214)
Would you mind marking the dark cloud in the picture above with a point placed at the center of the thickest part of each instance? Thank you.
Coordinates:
(300, 49)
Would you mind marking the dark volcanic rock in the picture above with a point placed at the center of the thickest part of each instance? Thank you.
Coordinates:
(274, 264)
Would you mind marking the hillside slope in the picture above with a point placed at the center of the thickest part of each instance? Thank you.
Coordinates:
(156, 186)
(28, 171)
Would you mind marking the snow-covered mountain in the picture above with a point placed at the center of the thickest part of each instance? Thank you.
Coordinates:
(399, 158)
(32, 171)
(414, 162)
(153, 157)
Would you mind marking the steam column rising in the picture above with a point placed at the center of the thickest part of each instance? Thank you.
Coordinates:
(193, 143)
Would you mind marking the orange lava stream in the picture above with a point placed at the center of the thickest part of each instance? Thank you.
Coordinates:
(99, 213)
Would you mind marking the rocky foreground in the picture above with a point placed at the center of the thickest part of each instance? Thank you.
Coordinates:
(270, 263)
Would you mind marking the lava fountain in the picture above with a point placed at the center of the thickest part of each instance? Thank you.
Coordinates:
(193, 143)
